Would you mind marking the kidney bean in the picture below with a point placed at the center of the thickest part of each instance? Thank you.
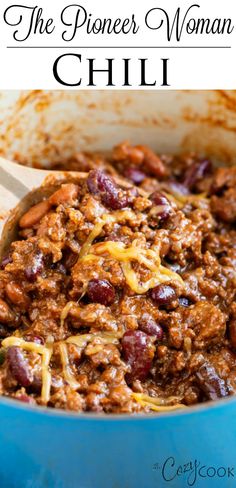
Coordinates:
(101, 291)
(138, 351)
(103, 185)
(35, 268)
(135, 175)
(16, 295)
(66, 194)
(94, 181)
(210, 383)
(6, 314)
(175, 187)
(34, 214)
(163, 294)
(5, 261)
(163, 206)
(196, 172)
(18, 366)
(148, 325)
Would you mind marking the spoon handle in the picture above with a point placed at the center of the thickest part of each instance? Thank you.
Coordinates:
(15, 182)
(19, 179)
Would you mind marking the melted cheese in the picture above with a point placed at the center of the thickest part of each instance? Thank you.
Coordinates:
(140, 288)
(118, 251)
(118, 216)
(46, 375)
(28, 346)
(125, 255)
(68, 376)
(156, 404)
(93, 235)
(45, 352)
(66, 310)
(83, 339)
(180, 200)
(80, 341)
(146, 257)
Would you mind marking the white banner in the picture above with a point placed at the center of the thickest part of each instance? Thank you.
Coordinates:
(132, 45)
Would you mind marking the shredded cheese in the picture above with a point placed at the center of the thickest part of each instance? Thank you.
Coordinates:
(28, 346)
(156, 404)
(80, 341)
(118, 251)
(95, 233)
(83, 339)
(147, 257)
(180, 200)
(68, 376)
(66, 310)
(125, 255)
(46, 375)
(45, 352)
(118, 216)
(140, 288)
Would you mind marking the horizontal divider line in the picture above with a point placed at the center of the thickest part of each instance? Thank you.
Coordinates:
(118, 47)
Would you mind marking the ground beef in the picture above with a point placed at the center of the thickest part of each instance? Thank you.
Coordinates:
(119, 294)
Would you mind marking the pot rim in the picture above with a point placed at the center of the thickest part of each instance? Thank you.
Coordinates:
(70, 415)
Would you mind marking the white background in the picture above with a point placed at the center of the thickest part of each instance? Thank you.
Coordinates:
(32, 68)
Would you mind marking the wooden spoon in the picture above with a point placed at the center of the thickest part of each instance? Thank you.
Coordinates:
(21, 187)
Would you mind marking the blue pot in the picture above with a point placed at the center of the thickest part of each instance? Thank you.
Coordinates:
(43, 448)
